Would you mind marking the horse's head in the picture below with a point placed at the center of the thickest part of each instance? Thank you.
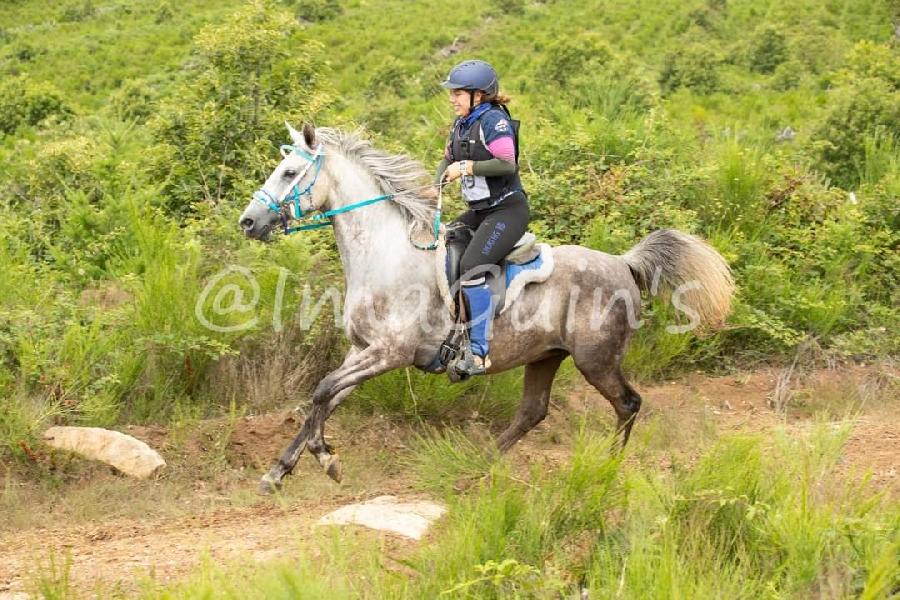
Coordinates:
(290, 191)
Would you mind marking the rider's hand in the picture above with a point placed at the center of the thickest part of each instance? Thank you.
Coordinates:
(454, 170)
(451, 173)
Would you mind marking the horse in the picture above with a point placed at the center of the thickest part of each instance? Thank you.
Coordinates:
(397, 312)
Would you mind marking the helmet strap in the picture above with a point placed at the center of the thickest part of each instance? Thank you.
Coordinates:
(471, 100)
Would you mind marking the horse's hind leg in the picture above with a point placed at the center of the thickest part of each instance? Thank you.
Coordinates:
(535, 400)
(610, 382)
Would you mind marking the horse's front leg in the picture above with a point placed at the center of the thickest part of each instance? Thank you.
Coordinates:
(357, 367)
(319, 448)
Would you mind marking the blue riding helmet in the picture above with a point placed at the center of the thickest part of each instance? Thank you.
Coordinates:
(473, 75)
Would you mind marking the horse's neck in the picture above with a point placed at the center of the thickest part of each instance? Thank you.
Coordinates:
(373, 241)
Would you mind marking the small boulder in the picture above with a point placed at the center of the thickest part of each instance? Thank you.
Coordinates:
(387, 513)
(127, 454)
(786, 135)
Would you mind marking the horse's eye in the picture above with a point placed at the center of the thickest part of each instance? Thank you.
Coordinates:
(289, 174)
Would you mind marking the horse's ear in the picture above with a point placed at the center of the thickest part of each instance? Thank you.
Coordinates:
(309, 135)
(296, 136)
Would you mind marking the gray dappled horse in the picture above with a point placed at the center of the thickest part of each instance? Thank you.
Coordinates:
(396, 312)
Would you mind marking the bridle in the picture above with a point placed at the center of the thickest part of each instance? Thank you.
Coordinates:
(289, 205)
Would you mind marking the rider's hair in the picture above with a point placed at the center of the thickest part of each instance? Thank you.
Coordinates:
(497, 98)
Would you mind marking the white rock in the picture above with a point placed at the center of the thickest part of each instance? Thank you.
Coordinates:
(125, 453)
(387, 513)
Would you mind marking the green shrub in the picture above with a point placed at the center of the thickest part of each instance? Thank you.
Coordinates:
(694, 66)
(788, 75)
(618, 88)
(164, 13)
(859, 109)
(25, 102)
(390, 76)
(218, 132)
(869, 59)
(135, 100)
(78, 12)
(574, 55)
(509, 7)
(768, 49)
(315, 11)
(24, 52)
(818, 48)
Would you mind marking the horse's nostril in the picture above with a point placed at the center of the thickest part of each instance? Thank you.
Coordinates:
(247, 223)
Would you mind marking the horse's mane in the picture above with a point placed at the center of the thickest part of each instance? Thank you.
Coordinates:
(396, 174)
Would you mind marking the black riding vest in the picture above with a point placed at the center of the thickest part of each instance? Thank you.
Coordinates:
(468, 144)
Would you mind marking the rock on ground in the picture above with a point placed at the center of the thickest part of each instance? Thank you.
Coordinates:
(127, 454)
(387, 513)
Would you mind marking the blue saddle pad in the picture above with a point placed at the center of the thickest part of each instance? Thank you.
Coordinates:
(513, 271)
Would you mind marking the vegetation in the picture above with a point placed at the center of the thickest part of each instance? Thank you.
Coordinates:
(755, 517)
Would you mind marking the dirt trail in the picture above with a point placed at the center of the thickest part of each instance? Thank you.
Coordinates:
(166, 549)
(116, 553)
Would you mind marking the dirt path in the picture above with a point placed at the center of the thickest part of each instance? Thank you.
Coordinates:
(126, 550)
(116, 553)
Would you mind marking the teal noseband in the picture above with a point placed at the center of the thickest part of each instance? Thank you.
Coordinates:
(294, 196)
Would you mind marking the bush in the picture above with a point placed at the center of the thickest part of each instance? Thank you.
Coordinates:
(509, 7)
(768, 49)
(619, 87)
(135, 100)
(218, 132)
(788, 75)
(868, 59)
(574, 55)
(859, 109)
(315, 11)
(818, 48)
(78, 12)
(389, 76)
(24, 102)
(164, 14)
(693, 66)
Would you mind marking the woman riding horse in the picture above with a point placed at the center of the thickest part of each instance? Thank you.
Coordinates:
(483, 152)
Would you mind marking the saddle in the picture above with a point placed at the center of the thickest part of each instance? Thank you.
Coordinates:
(528, 262)
(497, 278)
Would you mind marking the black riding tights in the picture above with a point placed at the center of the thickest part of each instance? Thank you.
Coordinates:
(496, 229)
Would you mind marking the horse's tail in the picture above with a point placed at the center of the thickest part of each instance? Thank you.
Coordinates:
(680, 264)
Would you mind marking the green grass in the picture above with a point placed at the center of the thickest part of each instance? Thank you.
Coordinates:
(763, 515)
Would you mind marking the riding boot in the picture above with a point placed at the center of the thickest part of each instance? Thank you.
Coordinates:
(474, 358)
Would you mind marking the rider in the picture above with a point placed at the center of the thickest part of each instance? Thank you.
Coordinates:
(483, 152)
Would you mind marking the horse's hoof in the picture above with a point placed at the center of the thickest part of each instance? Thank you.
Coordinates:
(268, 485)
(333, 468)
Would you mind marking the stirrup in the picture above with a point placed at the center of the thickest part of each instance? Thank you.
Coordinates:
(468, 364)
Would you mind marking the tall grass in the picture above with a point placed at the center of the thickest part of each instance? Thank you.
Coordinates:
(881, 158)
(766, 515)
